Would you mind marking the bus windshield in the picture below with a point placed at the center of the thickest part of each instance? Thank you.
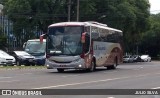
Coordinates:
(65, 40)
(35, 48)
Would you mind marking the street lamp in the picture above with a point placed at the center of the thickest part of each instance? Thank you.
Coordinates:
(77, 10)
(69, 10)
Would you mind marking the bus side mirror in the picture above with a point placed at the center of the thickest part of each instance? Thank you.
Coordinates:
(83, 38)
(41, 38)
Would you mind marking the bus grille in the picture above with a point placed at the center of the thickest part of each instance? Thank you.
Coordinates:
(9, 59)
(61, 61)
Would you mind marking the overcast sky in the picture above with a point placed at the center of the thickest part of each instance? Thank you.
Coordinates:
(155, 6)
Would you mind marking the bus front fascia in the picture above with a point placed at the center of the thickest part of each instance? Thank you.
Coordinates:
(78, 63)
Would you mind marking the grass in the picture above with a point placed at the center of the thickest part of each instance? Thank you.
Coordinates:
(21, 67)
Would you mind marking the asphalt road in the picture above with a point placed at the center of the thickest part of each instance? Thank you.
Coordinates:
(143, 75)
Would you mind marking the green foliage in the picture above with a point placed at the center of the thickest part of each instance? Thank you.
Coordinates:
(3, 40)
(151, 38)
(130, 16)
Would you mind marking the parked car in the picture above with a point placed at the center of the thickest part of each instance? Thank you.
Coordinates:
(146, 58)
(23, 58)
(6, 59)
(36, 49)
(128, 59)
(137, 58)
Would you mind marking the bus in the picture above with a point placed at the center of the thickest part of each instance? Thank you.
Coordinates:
(82, 45)
(36, 49)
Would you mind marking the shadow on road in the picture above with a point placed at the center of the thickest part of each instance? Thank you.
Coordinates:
(72, 71)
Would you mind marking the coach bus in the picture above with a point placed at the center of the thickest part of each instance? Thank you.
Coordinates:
(82, 45)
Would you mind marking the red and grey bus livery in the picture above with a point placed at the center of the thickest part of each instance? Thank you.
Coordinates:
(83, 45)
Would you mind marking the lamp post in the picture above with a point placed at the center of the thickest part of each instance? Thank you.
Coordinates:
(69, 10)
(77, 10)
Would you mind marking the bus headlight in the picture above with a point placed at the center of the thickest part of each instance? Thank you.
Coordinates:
(80, 65)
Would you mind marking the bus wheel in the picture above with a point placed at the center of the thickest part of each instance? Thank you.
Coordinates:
(60, 70)
(114, 65)
(93, 67)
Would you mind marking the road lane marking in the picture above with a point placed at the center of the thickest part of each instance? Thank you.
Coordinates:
(88, 82)
(76, 83)
(156, 96)
(5, 77)
(9, 81)
(156, 88)
(24, 74)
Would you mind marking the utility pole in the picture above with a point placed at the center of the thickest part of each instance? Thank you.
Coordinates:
(77, 10)
(69, 10)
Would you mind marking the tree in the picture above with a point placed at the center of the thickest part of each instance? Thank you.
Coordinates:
(130, 16)
(151, 37)
(3, 40)
(30, 16)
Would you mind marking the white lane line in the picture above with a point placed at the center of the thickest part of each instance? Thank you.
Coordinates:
(156, 96)
(9, 81)
(24, 74)
(76, 83)
(5, 77)
(88, 82)
(27, 73)
(156, 88)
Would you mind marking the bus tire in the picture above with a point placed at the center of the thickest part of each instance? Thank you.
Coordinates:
(114, 66)
(93, 67)
(60, 70)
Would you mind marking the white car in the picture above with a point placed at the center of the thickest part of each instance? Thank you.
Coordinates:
(6, 59)
(128, 59)
(145, 58)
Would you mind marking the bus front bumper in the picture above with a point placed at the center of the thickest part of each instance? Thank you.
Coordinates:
(78, 64)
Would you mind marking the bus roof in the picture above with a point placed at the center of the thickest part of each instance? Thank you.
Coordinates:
(88, 23)
(68, 24)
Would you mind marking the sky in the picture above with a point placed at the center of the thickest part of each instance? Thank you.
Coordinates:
(155, 6)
